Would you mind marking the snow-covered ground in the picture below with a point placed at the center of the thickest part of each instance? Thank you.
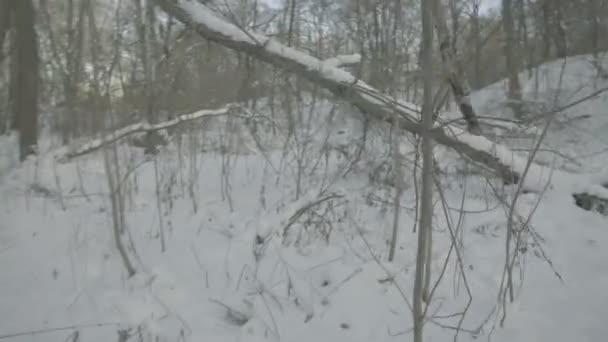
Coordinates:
(577, 139)
(230, 273)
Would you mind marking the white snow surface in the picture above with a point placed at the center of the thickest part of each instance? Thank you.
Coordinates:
(217, 282)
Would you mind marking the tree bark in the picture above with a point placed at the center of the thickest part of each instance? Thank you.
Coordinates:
(5, 11)
(453, 71)
(422, 279)
(67, 51)
(514, 88)
(546, 28)
(5, 26)
(24, 79)
(525, 36)
(594, 30)
(476, 33)
(145, 23)
(559, 34)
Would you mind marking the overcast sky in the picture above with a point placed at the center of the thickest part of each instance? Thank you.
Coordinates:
(489, 4)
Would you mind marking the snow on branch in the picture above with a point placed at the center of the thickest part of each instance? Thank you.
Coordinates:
(343, 60)
(501, 160)
(142, 127)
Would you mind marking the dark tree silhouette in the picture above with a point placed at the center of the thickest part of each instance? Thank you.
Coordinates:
(20, 16)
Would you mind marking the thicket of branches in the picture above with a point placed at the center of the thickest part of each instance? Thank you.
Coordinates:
(150, 66)
(101, 71)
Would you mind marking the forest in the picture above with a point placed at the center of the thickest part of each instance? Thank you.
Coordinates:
(297, 170)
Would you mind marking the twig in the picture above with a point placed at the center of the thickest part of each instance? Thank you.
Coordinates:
(49, 330)
(391, 277)
(458, 256)
(569, 105)
(508, 268)
(304, 209)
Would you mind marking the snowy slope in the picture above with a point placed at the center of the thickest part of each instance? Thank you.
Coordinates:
(579, 132)
(230, 275)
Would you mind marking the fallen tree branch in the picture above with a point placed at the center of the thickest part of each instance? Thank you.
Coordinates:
(142, 127)
(499, 159)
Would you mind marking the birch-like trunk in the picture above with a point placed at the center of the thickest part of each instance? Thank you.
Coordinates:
(453, 71)
(426, 194)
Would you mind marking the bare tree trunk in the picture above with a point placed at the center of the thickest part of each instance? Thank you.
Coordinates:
(73, 74)
(426, 196)
(112, 165)
(592, 8)
(68, 62)
(145, 19)
(5, 26)
(97, 122)
(151, 49)
(476, 32)
(546, 28)
(25, 78)
(455, 76)
(112, 169)
(74, 69)
(292, 15)
(514, 92)
(525, 36)
(399, 181)
(559, 35)
(5, 11)
(455, 16)
(140, 20)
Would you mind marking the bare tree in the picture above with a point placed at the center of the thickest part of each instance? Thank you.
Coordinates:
(426, 196)
(66, 54)
(476, 38)
(514, 93)
(145, 24)
(5, 11)
(24, 76)
(5, 26)
(453, 71)
(399, 188)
